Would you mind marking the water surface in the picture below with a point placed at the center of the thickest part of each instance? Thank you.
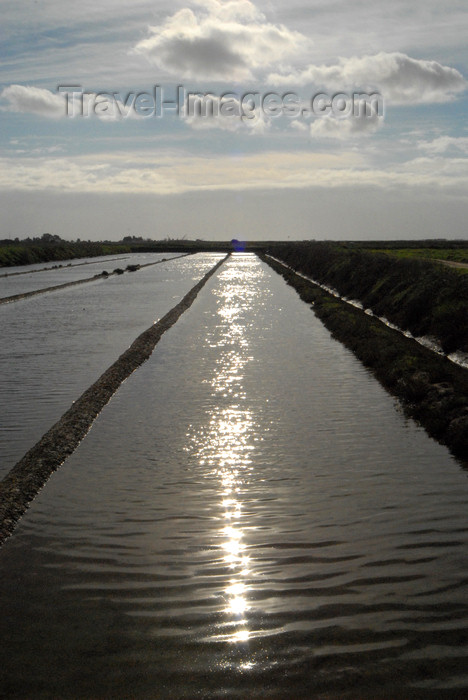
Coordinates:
(249, 517)
(53, 346)
(54, 276)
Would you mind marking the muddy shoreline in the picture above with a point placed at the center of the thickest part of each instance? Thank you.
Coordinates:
(27, 477)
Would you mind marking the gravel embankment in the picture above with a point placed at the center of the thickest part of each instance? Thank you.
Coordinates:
(102, 275)
(28, 476)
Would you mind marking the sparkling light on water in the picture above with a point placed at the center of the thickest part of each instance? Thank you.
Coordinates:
(227, 446)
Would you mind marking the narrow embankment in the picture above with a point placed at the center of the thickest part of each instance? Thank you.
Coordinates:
(456, 265)
(432, 390)
(102, 275)
(422, 297)
(60, 266)
(55, 288)
(28, 476)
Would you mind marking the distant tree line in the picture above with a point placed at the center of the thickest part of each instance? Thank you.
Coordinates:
(49, 247)
(424, 243)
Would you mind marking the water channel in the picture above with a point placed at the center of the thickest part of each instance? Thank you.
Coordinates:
(53, 346)
(251, 516)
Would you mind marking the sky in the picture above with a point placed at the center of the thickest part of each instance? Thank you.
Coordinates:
(100, 139)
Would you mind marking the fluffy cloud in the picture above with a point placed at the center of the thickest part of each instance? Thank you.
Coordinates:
(444, 143)
(222, 40)
(41, 102)
(33, 100)
(233, 41)
(174, 173)
(228, 113)
(342, 129)
(400, 78)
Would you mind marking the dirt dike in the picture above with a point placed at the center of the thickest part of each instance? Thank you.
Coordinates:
(431, 389)
(100, 276)
(26, 478)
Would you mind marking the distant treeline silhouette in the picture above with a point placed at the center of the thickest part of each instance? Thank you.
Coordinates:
(50, 247)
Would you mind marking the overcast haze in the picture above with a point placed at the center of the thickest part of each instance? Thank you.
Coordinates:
(401, 173)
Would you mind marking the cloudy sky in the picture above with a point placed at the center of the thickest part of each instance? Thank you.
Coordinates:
(270, 163)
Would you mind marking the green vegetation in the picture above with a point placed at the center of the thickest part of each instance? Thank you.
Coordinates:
(439, 249)
(459, 255)
(48, 248)
(51, 247)
(425, 298)
(432, 390)
(427, 244)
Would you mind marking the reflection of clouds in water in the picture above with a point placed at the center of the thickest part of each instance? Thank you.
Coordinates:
(227, 444)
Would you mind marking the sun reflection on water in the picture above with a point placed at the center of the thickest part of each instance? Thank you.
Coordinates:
(226, 446)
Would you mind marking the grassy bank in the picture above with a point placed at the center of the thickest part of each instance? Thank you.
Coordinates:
(425, 298)
(431, 389)
(28, 253)
(458, 255)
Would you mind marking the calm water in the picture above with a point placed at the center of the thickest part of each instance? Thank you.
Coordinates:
(19, 284)
(8, 270)
(249, 517)
(53, 346)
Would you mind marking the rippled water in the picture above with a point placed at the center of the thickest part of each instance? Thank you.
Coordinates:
(250, 516)
(53, 346)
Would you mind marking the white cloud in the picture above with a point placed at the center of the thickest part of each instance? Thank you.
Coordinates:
(400, 78)
(334, 128)
(222, 40)
(444, 143)
(27, 99)
(228, 113)
(298, 125)
(33, 100)
(171, 173)
(233, 41)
